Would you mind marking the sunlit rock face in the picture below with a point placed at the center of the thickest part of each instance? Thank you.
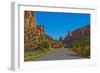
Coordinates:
(30, 29)
(34, 35)
(76, 34)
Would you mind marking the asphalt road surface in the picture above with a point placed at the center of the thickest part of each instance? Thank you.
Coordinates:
(60, 54)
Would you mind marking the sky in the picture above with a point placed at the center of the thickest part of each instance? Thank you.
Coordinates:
(57, 24)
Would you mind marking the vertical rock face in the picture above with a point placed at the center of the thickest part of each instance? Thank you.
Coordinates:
(29, 29)
(29, 18)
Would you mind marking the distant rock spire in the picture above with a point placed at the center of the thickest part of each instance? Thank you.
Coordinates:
(69, 34)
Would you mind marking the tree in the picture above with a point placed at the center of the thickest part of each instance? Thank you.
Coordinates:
(46, 44)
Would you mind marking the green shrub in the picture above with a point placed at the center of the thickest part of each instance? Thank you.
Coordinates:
(82, 45)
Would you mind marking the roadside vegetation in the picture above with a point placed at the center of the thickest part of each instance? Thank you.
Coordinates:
(81, 46)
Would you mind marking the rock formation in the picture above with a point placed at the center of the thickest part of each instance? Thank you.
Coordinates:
(34, 35)
(76, 34)
(29, 29)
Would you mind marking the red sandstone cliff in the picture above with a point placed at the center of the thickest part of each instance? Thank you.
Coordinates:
(29, 29)
(76, 34)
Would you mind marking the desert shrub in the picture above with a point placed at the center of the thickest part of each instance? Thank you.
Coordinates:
(82, 46)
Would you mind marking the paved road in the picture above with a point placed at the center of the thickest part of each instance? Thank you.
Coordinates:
(60, 54)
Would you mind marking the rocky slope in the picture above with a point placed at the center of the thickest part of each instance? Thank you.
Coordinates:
(34, 35)
(76, 34)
